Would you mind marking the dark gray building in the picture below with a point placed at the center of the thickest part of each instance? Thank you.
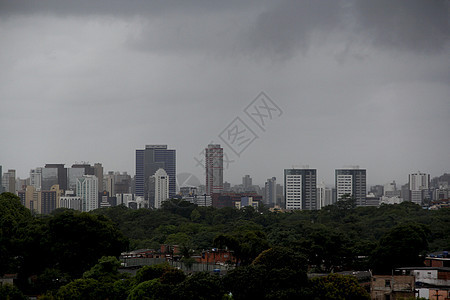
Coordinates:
(148, 161)
(300, 189)
(351, 182)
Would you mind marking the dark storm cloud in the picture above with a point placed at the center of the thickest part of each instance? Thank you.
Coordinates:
(114, 7)
(290, 26)
(415, 25)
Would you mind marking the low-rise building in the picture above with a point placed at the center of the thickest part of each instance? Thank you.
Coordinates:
(391, 287)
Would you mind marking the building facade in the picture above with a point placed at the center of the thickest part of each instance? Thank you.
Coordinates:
(270, 192)
(419, 184)
(148, 161)
(351, 182)
(300, 188)
(161, 188)
(87, 190)
(214, 169)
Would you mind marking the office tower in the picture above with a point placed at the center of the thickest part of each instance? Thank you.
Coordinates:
(110, 183)
(270, 192)
(214, 169)
(98, 172)
(300, 188)
(61, 176)
(160, 185)
(390, 190)
(36, 178)
(148, 161)
(87, 190)
(50, 199)
(32, 199)
(122, 183)
(72, 177)
(419, 184)
(351, 182)
(247, 183)
(9, 181)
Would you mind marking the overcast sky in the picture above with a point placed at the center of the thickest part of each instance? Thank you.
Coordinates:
(356, 82)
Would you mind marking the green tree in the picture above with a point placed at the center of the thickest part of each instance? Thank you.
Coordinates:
(106, 270)
(201, 286)
(10, 292)
(338, 287)
(81, 289)
(151, 290)
(402, 246)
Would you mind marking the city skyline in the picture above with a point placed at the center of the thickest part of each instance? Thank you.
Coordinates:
(352, 83)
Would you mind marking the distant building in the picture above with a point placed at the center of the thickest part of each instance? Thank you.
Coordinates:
(300, 189)
(70, 201)
(385, 287)
(148, 161)
(36, 178)
(124, 199)
(161, 187)
(50, 199)
(53, 177)
(270, 192)
(98, 172)
(229, 199)
(247, 183)
(419, 184)
(247, 201)
(214, 169)
(324, 195)
(87, 190)
(9, 181)
(430, 282)
(353, 183)
(72, 176)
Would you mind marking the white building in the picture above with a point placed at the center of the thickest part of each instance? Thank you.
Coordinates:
(161, 181)
(300, 188)
(36, 178)
(87, 190)
(419, 184)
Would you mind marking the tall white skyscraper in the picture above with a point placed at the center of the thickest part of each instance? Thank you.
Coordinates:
(161, 181)
(87, 190)
(214, 169)
(419, 183)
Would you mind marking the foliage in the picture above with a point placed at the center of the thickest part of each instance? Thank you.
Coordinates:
(81, 289)
(106, 270)
(10, 292)
(200, 286)
(338, 287)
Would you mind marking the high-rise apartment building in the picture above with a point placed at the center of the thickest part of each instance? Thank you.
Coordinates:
(419, 184)
(161, 187)
(36, 178)
(247, 183)
(351, 182)
(270, 192)
(148, 161)
(214, 169)
(300, 188)
(87, 190)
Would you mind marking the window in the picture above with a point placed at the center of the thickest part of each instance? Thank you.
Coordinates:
(387, 283)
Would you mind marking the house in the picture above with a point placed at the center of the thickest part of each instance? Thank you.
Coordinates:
(391, 287)
(431, 282)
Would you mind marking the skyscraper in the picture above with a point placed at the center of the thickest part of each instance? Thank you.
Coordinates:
(148, 161)
(214, 169)
(300, 188)
(36, 178)
(87, 190)
(351, 182)
(247, 183)
(60, 175)
(419, 183)
(161, 187)
(270, 192)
